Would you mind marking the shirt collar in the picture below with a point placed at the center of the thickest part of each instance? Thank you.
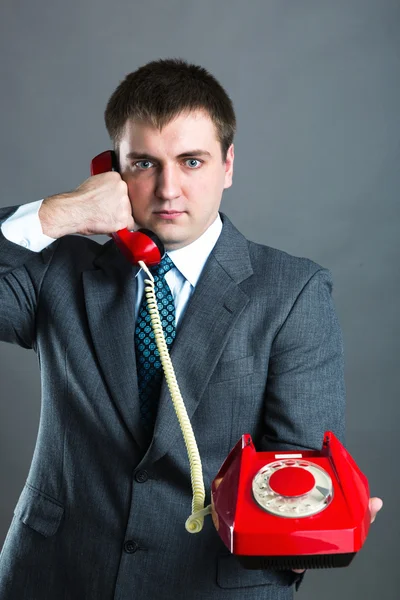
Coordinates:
(191, 259)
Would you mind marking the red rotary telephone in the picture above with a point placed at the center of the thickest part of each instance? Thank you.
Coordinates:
(291, 510)
(134, 245)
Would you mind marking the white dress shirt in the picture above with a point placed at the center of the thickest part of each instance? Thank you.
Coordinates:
(24, 228)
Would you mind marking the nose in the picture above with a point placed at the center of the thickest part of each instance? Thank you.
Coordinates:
(168, 185)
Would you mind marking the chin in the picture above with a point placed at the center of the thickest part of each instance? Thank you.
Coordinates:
(171, 234)
(168, 235)
(173, 242)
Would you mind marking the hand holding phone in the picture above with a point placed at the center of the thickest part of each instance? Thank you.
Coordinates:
(141, 245)
(100, 205)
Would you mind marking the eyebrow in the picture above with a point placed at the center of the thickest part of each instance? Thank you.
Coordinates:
(145, 155)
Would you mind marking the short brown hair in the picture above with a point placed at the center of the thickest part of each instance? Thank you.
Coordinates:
(159, 91)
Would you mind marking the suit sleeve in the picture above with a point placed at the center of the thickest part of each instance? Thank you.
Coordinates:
(305, 393)
(21, 275)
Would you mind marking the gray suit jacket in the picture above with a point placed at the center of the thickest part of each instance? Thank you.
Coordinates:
(101, 515)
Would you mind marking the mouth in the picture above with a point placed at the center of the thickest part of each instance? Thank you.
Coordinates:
(169, 214)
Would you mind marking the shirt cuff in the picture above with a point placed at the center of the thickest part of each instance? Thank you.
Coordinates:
(24, 228)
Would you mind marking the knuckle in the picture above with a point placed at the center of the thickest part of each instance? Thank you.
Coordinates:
(122, 186)
(109, 177)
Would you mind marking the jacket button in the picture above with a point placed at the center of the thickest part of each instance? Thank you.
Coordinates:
(131, 546)
(141, 476)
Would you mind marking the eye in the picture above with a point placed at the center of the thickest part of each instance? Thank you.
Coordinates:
(191, 162)
(143, 165)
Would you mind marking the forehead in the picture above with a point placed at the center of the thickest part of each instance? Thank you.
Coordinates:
(186, 131)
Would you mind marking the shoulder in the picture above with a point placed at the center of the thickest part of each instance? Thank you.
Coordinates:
(271, 267)
(277, 264)
(282, 279)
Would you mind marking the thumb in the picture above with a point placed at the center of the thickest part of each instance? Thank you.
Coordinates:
(375, 505)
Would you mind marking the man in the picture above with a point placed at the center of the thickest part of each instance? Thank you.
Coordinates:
(257, 349)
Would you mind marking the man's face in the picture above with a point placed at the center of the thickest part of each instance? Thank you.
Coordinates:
(175, 177)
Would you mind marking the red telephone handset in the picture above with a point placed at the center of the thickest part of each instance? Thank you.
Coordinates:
(135, 245)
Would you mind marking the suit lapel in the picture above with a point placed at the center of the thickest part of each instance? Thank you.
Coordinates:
(215, 306)
(110, 295)
(212, 312)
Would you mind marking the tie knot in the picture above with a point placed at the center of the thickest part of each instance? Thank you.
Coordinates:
(163, 267)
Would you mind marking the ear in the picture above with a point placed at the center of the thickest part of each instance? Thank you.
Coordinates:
(230, 156)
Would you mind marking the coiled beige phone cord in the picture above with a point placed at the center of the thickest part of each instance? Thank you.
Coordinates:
(194, 523)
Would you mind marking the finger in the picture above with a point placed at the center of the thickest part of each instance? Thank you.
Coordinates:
(298, 570)
(375, 505)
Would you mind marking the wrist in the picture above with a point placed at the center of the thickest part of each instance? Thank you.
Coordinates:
(56, 216)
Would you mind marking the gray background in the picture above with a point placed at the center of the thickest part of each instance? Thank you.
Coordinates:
(316, 89)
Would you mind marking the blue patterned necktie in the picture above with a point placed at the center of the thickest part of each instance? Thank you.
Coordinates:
(149, 369)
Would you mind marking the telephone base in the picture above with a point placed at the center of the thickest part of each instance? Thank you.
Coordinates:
(310, 506)
(315, 561)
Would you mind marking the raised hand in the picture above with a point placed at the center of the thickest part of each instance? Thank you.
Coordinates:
(100, 205)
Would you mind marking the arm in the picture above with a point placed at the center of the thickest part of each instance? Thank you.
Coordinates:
(21, 275)
(99, 205)
(305, 389)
